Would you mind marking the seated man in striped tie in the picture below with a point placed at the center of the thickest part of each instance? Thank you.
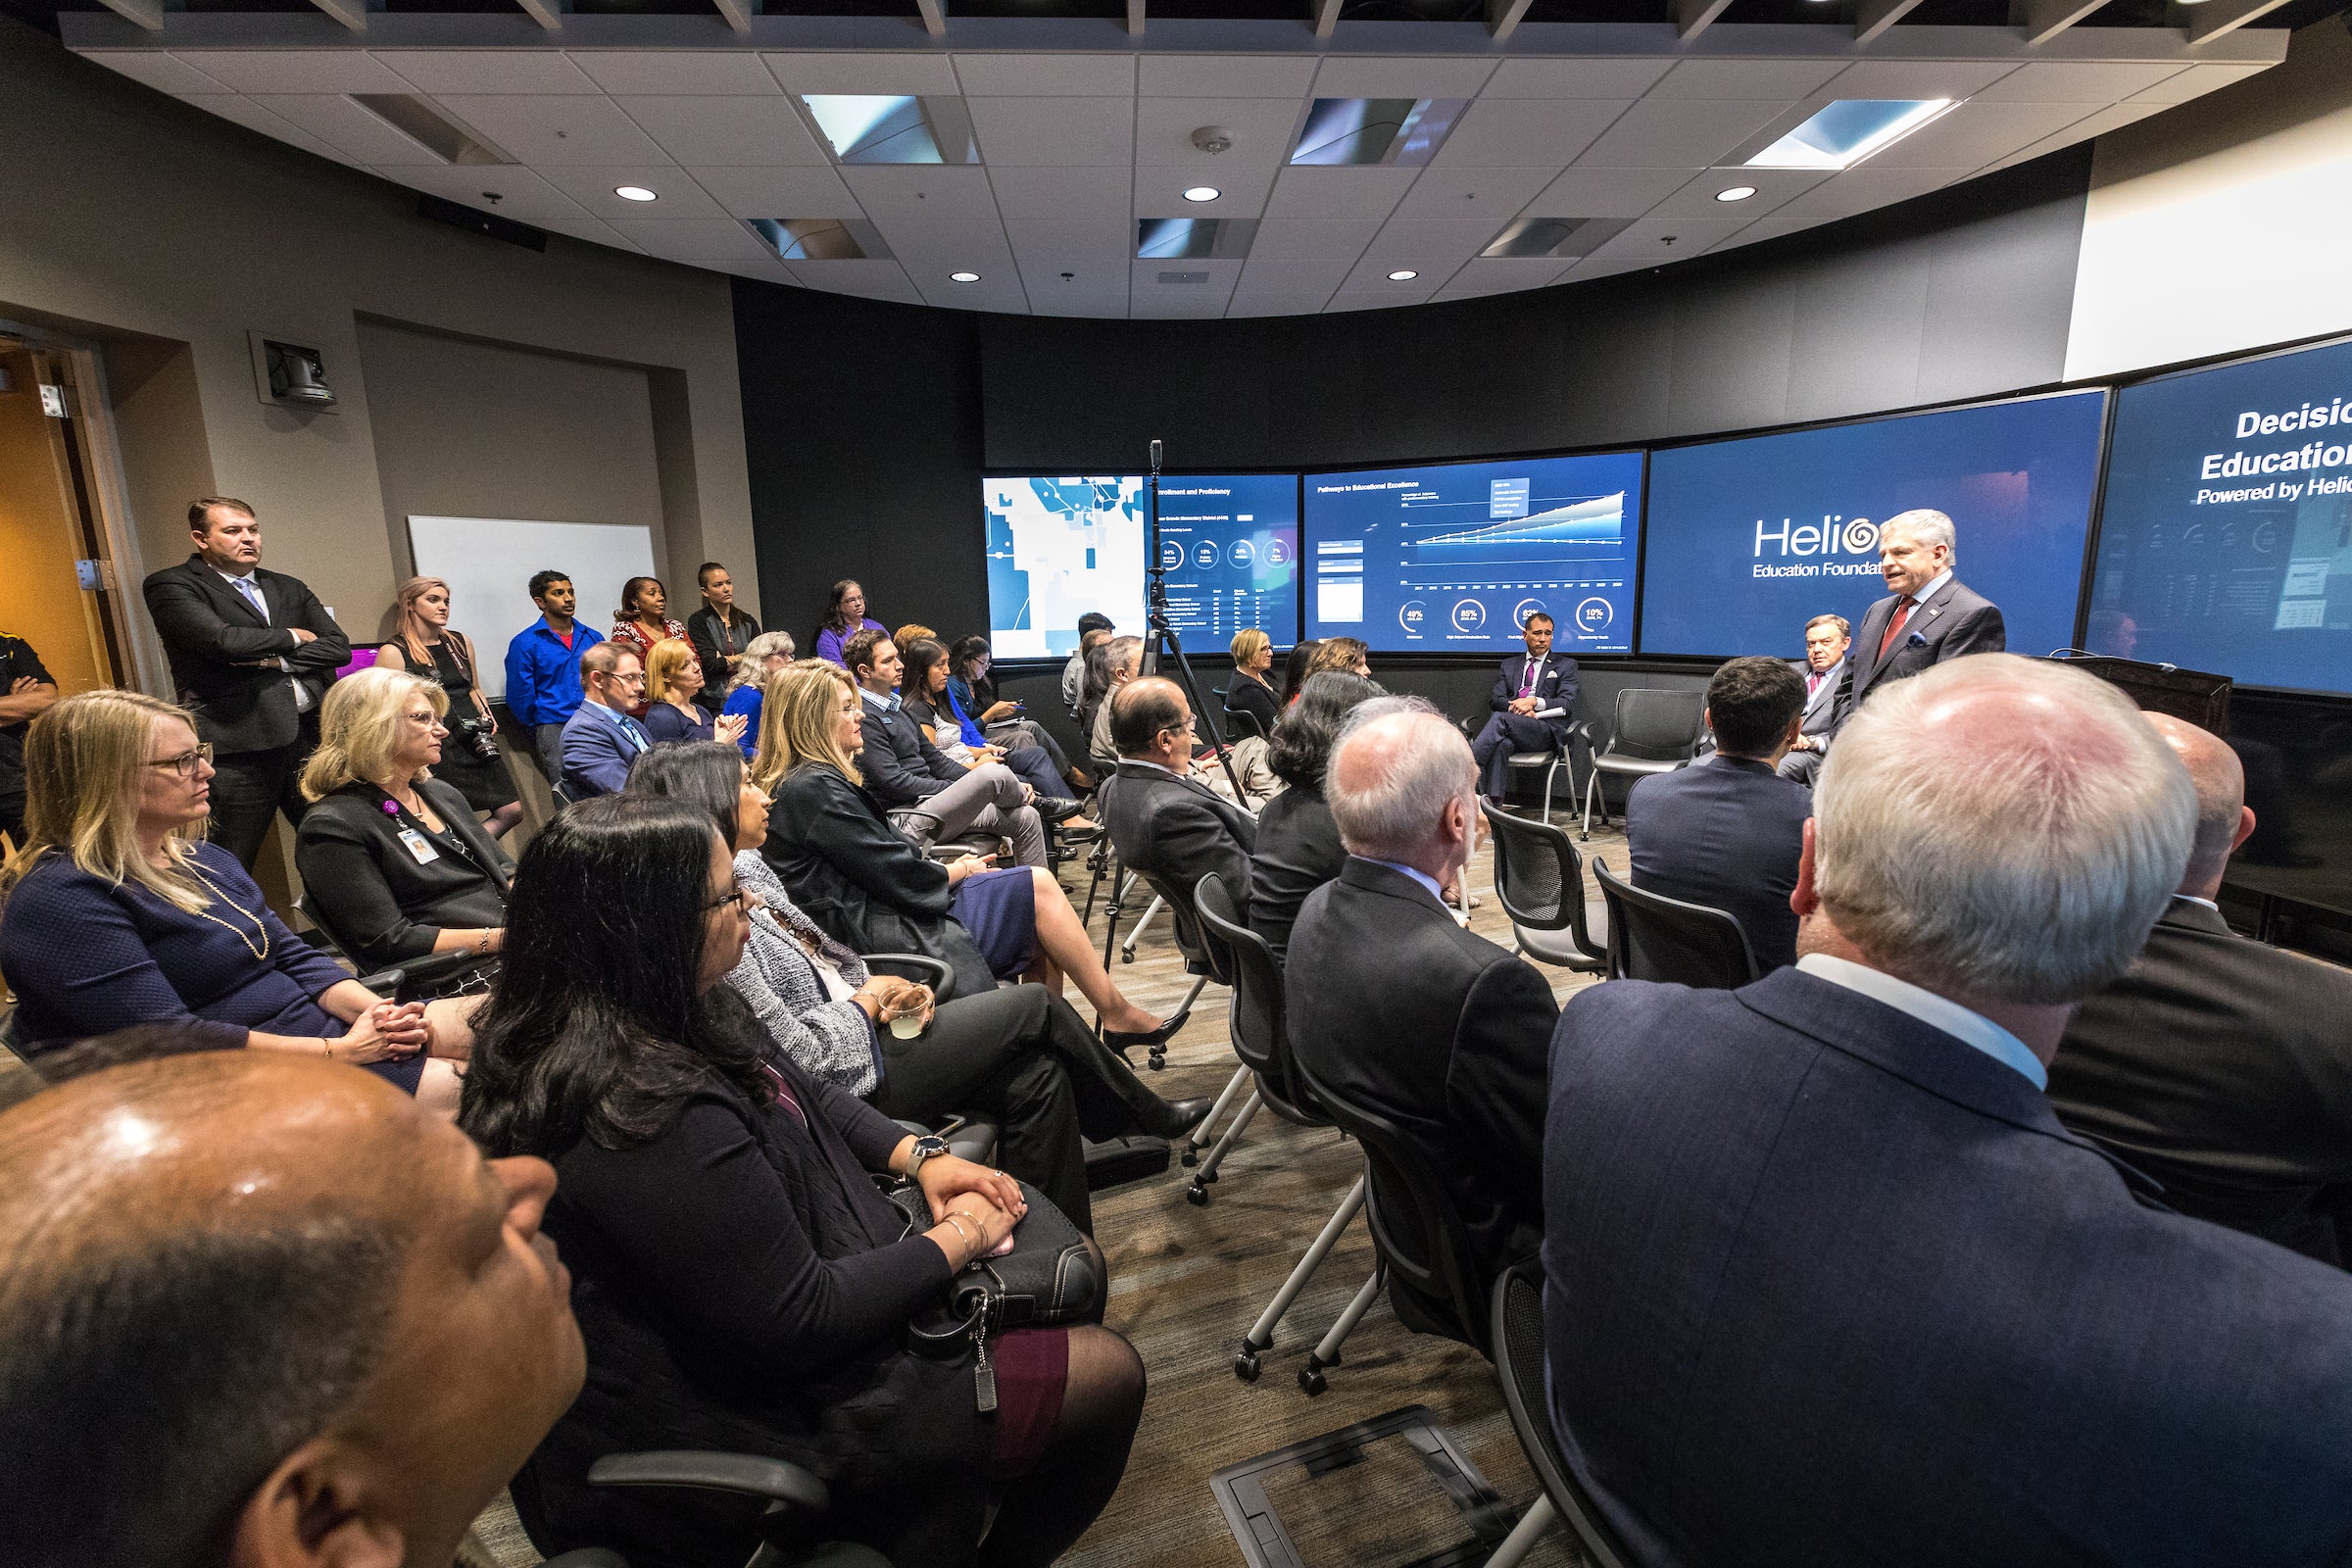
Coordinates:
(601, 741)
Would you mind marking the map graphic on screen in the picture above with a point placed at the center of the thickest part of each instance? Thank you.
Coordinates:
(1455, 557)
(2225, 542)
(1056, 549)
(1231, 547)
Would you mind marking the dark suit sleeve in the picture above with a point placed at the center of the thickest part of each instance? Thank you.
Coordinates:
(331, 650)
(594, 751)
(1981, 631)
(1189, 833)
(1567, 697)
(1495, 1083)
(186, 621)
(23, 662)
(702, 631)
(886, 774)
(1506, 691)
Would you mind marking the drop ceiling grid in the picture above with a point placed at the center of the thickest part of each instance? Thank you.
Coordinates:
(721, 132)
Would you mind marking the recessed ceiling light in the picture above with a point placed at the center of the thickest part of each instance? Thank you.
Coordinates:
(963, 278)
(634, 193)
(1737, 193)
(1403, 275)
(1202, 193)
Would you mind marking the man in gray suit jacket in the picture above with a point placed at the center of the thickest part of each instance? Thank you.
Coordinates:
(1164, 824)
(1929, 615)
(1822, 670)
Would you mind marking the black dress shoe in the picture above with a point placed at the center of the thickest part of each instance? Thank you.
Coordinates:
(1057, 808)
(1127, 1040)
(1173, 1118)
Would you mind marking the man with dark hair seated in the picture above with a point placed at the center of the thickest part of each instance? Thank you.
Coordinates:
(1726, 830)
(260, 1309)
(1163, 822)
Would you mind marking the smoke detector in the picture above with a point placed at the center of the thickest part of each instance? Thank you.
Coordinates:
(1213, 139)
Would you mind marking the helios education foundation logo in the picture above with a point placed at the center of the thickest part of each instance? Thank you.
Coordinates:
(1834, 535)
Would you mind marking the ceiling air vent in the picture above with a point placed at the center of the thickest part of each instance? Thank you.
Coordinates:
(820, 239)
(1184, 239)
(1553, 236)
(422, 121)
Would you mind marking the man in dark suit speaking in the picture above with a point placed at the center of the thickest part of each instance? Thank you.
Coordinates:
(1929, 615)
(1532, 684)
(2218, 1065)
(252, 653)
(1826, 1279)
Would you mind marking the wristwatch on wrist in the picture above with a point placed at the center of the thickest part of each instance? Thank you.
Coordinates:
(925, 1147)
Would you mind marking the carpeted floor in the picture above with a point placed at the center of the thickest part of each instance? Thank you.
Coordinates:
(1187, 1281)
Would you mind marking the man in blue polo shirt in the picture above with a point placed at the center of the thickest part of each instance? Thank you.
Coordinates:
(542, 666)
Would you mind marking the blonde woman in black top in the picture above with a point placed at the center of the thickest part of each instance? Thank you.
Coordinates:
(424, 644)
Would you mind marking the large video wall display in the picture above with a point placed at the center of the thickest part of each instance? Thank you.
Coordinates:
(1749, 539)
(1231, 548)
(1455, 558)
(1056, 549)
(2225, 538)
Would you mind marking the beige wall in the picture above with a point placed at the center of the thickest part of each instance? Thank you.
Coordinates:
(167, 234)
(39, 537)
(2223, 224)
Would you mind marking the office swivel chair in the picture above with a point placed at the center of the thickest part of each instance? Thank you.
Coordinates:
(1516, 1333)
(790, 1491)
(430, 974)
(1652, 937)
(1651, 730)
(1539, 879)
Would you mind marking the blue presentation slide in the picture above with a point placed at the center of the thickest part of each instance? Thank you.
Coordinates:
(1453, 558)
(1751, 539)
(2225, 542)
(1056, 549)
(1231, 547)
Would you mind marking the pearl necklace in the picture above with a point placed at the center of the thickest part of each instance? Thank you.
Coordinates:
(261, 954)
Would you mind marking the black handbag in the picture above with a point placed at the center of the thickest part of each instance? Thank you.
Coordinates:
(1048, 1277)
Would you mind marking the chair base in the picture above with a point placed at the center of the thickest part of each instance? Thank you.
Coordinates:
(1261, 1333)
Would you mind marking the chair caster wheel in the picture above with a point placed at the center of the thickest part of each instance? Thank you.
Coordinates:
(1126, 955)
(1245, 1366)
(1189, 1157)
(1196, 1196)
(1156, 1060)
(1312, 1380)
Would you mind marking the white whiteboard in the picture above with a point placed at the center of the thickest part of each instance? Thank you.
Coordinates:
(488, 563)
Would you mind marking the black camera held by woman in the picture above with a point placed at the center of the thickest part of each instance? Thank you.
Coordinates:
(476, 735)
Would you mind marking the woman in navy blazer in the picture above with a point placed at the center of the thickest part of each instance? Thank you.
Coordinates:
(117, 914)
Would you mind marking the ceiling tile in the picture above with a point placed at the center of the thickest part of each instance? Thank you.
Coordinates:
(595, 230)
(1506, 275)
(1914, 79)
(1313, 239)
(766, 268)
(923, 190)
(1260, 128)
(2098, 125)
(2194, 82)
(1089, 283)
(1047, 132)
(1668, 239)
(1224, 76)
(1338, 192)
(1160, 193)
(1380, 77)
(245, 112)
(869, 279)
(521, 194)
(1972, 135)
(1574, 79)
(1774, 187)
(1071, 76)
(1426, 243)
(1461, 194)
(1680, 133)
(1000, 292)
(1858, 190)
(943, 246)
(2078, 81)
(691, 239)
(1744, 80)
(1387, 297)
(1065, 192)
(677, 72)
(550, 130)
(156, 69)
(1523, 132)
(347, 127)
(1606, 192)
(679, 196)
(1222, 273)
(1248, 302)
(1371, 274)
(871, 73)
(1280, 276)
(1767, 228)
(293, 70)
(722, 132)
(780, 192)
(486, 71)
(1148, 296)
(1593, 267)
(1061, 244)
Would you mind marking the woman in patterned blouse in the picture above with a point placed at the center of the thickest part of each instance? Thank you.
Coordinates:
(641, 621)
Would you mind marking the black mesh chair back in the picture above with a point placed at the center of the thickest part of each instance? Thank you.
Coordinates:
(1517, 1338)
(1261, 1030)
(1652, 937)
(1657, 722)
(1416, 1229)
(1540, 880)
(1199, 955)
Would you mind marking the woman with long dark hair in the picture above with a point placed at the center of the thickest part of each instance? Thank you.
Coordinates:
(973, 696)
(1294, 668)
(845, 618)
(740, 1282)
(1298, 847)
(1019, 1056)
(928, 693)
(641, 621)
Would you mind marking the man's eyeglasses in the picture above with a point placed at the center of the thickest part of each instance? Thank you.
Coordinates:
(186, 762)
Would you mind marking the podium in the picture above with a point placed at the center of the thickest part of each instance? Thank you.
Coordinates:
(2194, 695)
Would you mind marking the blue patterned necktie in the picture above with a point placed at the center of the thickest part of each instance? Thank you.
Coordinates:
(628, 727)
(253, 596)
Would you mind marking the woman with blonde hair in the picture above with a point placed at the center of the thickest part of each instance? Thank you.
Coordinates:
(424, 644)
(673, 678)
(873, 891)
(763, 657)
(118, 912)
(1249, 692)
(392, 861)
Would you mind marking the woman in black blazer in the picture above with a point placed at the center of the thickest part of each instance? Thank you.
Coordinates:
(392, 860)
(852, 873)
(1297, 847)
(1248, 692)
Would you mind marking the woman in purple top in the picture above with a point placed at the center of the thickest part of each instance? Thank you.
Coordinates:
(845, 618)
(117, 913)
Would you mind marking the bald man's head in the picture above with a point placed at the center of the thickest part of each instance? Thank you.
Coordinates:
(249, 1295)
(1148, 720)
(2222, 820)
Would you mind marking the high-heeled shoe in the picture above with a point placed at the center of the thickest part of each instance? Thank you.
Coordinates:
(1128, 1040)
(1173, 1118)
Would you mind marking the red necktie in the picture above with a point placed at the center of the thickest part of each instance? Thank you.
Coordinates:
(1895, 623)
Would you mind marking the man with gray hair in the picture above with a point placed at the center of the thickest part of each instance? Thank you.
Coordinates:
(1396, 1007)
(1827, 1281)
(1928, 617)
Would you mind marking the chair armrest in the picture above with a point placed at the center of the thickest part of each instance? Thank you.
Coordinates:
(384, 982)
(746, 1475)
(923, 970)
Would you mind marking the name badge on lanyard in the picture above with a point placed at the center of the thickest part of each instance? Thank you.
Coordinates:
(414, 842)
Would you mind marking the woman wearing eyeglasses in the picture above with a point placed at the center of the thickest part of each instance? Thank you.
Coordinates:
(118, 912)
